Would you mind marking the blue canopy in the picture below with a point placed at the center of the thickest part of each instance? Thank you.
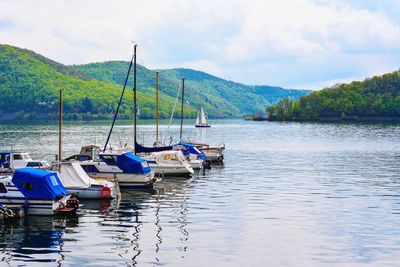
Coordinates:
(127, 162)
(38, 184)
(191, 149)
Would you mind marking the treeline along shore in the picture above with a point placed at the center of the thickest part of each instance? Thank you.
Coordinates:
(374, 99)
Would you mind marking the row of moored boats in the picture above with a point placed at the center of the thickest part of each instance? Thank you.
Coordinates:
(43, 188)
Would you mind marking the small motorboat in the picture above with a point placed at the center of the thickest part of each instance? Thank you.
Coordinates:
(169, 163)
(11, 160)
(40, 192)
(78, 182)
(201, 121)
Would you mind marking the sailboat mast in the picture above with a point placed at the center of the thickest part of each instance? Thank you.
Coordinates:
(119, 104)
(60, 127)
(183, 98)
(134, 95)
(157, 73)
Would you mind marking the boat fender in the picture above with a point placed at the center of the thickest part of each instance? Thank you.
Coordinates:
(105, 191)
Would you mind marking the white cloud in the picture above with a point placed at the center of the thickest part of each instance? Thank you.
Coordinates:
(301, 28)
(271, 42)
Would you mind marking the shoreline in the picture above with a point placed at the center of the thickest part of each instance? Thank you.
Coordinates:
(346, 119)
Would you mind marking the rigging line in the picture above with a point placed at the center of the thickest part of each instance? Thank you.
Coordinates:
(119, 104)
(172, 114)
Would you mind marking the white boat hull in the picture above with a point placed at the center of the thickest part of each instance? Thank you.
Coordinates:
(127, 180)
(94, 192)
(169, 163)
(34, 206)
(196, 164)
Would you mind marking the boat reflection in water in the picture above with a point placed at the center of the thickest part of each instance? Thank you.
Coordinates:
(137, 228)
(151, 219)
(34, 239)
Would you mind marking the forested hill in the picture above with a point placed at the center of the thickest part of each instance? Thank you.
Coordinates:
(376, 98)
(218, 97)
(29, 88)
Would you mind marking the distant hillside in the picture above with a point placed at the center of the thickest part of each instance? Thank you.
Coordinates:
(29, 89)
(219, 97)
(29, 85)
(377, 98)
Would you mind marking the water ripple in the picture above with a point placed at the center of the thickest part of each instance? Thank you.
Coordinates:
(292, 194)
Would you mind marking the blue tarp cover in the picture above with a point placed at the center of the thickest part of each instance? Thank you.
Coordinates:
(127, 162)
(192, 149)
(38, 184)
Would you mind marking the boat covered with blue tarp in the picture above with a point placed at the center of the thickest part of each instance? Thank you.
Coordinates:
(39, 192)
(191, 149)
(127, 162)
(38, 184)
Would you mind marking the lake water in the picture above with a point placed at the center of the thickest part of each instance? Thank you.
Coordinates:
(289, 194)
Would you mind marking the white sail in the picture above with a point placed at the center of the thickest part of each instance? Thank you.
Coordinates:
(203, 119)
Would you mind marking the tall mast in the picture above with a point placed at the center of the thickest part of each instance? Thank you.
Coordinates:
(119, 104)
(157, 73)
(59, 127)
(183, 98)
(134, 95)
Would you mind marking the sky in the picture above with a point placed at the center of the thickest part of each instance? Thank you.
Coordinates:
(305, 44)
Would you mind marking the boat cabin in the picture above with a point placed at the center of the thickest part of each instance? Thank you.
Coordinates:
(10, 160)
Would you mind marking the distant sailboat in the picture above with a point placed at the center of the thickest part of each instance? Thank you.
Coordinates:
(202, 120)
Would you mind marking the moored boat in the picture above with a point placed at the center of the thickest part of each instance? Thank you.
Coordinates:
(192, 155)
(39, 192)
(77, 181)
(169, 163)
(12, 160)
